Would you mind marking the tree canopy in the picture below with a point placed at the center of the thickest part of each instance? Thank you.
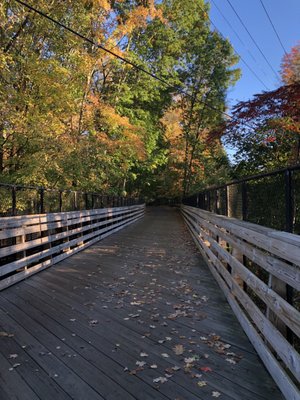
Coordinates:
(74, 116)
(265, 130)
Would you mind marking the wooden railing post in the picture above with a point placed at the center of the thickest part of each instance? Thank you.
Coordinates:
(231, 210)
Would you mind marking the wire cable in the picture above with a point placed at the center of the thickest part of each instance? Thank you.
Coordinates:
(241, 58)
(154, 76)
(274, 29)
(237, 35)
(253, 40)
(123, 59)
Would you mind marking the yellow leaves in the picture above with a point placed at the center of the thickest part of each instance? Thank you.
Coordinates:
(103, 4)
(114, 130)
(139, 16)
(171, 121)
(178, 349)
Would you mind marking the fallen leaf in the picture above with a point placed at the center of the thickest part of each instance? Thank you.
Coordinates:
(165, 355)
(13, 356)
(143, 355)
(216, 394)
(206, 369)
(191, 360)
(140, 363)
(6, 334)
(201, 383)
(153, 366)
(161, 379)
(178, 349)
(230, 360)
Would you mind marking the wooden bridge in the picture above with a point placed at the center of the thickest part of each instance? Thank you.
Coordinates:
(141, 314)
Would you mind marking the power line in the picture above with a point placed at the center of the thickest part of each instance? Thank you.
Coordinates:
(252, 38)
(274, 29)
(229, 24)
(236, 34)
(123, 59)
(242, 59)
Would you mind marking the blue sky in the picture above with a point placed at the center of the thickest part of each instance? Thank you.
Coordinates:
(285, 16)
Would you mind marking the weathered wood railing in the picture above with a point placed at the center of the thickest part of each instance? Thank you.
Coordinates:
(31, 243)
(229, 247)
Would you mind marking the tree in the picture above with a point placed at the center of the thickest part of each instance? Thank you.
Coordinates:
(290, 67)
(75, 116)
(266, 130)
(180, 47)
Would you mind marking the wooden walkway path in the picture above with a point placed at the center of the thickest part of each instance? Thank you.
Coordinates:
(137, 316)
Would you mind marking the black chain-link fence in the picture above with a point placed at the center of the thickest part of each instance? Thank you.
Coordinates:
(21, 200)
(271, 199)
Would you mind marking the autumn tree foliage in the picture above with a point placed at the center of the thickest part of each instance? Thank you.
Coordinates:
(75, 116)
(265, 130)
(290, 67)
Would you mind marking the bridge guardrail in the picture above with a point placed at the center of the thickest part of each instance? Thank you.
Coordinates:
(24, 200)
(31, 243)
(270, 199)
(258, 300)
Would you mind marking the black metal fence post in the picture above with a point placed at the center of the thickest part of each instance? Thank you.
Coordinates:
(60, 201)
(244, 201)
(226, 201)
(42, 207)
(14, 200)
(289, 227)
(289, 206)
(86, 200)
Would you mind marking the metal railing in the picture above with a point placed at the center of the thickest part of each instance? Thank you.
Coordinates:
(269, 199)
(24, 200)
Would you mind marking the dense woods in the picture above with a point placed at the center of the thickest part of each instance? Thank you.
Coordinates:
(75, 116)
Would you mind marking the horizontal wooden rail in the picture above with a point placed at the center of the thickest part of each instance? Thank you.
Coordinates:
(29, 244)
(235, 250)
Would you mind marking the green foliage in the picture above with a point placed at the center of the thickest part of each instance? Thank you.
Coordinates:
(75, 116)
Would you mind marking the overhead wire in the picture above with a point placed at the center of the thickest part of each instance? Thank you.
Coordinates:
(230, 25)
(123, 59)
(241, 58)
(236, 34)
(253, 40)
(273, 26)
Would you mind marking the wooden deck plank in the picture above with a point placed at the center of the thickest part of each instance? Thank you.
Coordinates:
(126, 345)
(137, 330)
(31, 372)
(142, 290)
